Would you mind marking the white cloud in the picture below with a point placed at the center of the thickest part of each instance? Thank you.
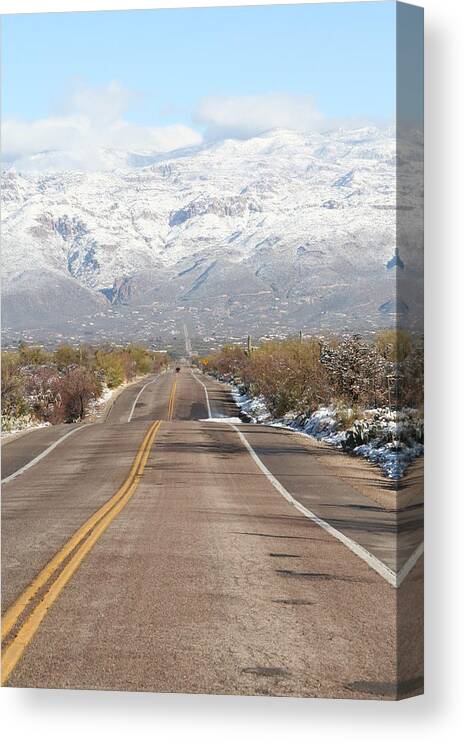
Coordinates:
(248, 115)
(100, 105)
(92, 118)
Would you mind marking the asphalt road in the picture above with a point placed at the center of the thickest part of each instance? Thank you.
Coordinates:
(223, 558)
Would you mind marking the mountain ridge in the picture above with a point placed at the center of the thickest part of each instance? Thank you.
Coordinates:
(306, 218)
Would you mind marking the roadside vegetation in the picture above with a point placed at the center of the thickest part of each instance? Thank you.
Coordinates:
(66, 384)
(361, 395)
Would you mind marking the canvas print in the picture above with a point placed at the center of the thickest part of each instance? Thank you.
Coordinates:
(212, 358)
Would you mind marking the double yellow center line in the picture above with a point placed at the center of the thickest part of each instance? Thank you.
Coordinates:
(171, 401)
(32, 605)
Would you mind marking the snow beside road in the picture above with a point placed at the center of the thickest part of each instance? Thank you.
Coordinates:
(21, 425)
(232, 420)
(97, 406)
(12, 426)
(385, 437)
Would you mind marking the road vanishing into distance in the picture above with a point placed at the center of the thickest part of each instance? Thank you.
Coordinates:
(172, 548)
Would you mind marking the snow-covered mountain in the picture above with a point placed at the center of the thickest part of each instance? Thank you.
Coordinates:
(284, 228)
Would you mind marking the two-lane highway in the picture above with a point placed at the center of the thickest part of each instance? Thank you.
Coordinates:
(164, 551)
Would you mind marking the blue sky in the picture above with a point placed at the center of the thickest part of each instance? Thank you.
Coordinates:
(338, 58)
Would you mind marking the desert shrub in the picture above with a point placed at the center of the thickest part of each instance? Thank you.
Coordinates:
(346, 416)
(229, 363)
(288, 374)
(411, 373)
(159, 361)
(65, 356)
(351, 373)
(10, 362)
(58, 386)
(77, 389)
(142, 359)
(42, 389)
(122, 364)
(30, 355)
(394, 345)
(357, 371)
(14, 402)
(386, 426)
(112, 368)
(129, 365)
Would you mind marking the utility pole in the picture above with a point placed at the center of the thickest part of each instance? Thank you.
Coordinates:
(249, 345)
(301, 337)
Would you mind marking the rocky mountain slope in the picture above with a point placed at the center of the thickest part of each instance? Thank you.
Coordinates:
(284, 230)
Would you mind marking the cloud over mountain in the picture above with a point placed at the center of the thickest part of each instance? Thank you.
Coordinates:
(245, 116)
(91, 119)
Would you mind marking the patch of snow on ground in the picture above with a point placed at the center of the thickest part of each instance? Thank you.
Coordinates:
(254, 407)
(383, 430)
(233, 420)
(97, 405)
(21, 424)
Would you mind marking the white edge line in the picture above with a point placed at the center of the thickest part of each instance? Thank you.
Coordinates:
(43, 454)
(409, 564)
(393, 578)
(137, 398)
(206, 394)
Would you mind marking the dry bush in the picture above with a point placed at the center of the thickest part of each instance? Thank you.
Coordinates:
(42, 388)
(159, 361)
(14, 402)
(57, 387)
(229, 363)
(411, 373)
(289, 375)
(65, 356)
(77, 389)
(30, 355)
(351, 372)
(357, 371)
(394, 345)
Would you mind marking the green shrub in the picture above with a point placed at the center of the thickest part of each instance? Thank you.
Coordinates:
(111, 365)
(65, 356)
